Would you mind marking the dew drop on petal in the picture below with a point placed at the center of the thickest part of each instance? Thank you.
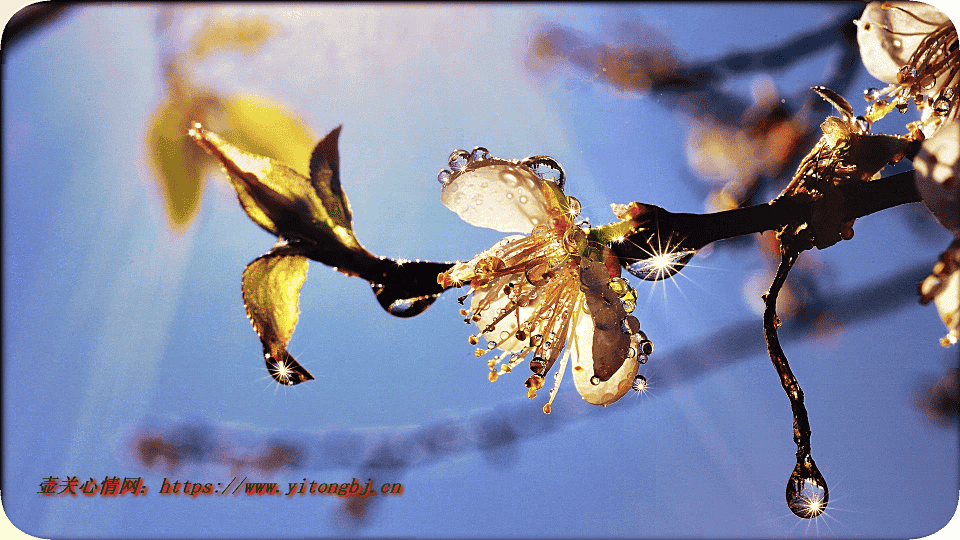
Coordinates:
(539, 274)
(479, 154)
(523, 199)
(444, 177)
(941, 106)
(458, 160)
(595, 380)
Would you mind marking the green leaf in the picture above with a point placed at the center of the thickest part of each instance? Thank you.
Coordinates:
(177, 162)
(280, 199)
(247, 34)
(271, 295)
(263, 127)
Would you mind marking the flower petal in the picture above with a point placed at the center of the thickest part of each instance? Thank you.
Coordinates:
(888, 37)
(605, 355)
(937, 177)
(501, 195)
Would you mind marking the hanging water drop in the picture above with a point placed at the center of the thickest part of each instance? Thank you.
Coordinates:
(458, 160)
(807, 497)
(639, 384)
(646, 346)
(660, 266)
(871, 94)
(630, 325)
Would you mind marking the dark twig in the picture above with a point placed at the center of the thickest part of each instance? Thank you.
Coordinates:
(807, 493)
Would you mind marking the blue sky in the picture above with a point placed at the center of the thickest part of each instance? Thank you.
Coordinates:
(111, 322)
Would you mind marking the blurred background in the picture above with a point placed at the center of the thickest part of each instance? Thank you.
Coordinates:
(127, 351)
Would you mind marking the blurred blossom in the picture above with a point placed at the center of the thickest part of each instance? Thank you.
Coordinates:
(648, 61)
(940, 400)
(937, 175)
(942, 287)
(738, 156)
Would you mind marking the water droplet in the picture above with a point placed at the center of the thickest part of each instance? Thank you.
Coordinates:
(639, 384)
(907, 74)
(660, 266)
(897, 44)
(458, 160)
(573, 206)
(863, 123)
(537, 365)
(930, 83)
(947, 93)
(630, 325)
(509, 195)
(521, 335)
(444, 177)
(902, 107)
(523, 199)
(595, 380)
(807, 497)
(479, 154)
(504, 335)
(871, 94)
(628, 305)
(546, 168)
(488, 265)
(539, 274)
(643, 359)
(618, 285)
(646, 346)
(536, 340)
(941, 107)
(491, 344)
(509, 179)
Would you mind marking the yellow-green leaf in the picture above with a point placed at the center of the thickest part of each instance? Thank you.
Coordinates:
(277, 197)
(271, 295)
(266, 128)
(177, 162)
(246, 34)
